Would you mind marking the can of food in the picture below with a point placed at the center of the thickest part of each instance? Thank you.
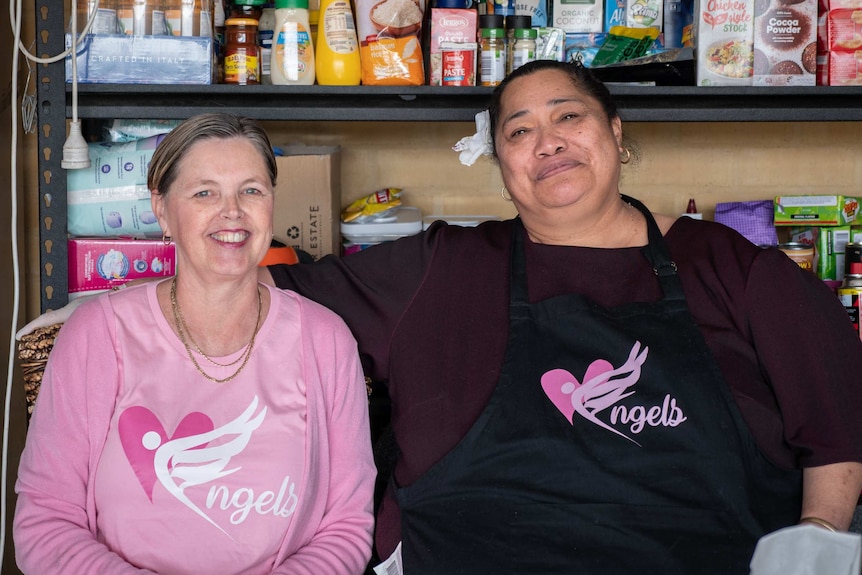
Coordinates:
(853, 259)
(850, 295)
(802, 254)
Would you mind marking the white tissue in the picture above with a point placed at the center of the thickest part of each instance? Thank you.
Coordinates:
(807, 550)
(478, 144)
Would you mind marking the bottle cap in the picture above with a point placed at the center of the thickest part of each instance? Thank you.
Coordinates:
(302, 4)
(491, 21)
(515, 21)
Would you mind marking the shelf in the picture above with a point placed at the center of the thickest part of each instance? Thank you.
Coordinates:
(450, 104)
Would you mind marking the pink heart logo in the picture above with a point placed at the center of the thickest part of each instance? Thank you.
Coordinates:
(559, 385)
(141, 433)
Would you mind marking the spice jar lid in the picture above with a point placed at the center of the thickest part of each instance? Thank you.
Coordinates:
(491, 21)
(514, 21)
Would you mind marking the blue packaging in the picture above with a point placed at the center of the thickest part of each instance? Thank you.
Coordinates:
(678, 14)
(615, 14)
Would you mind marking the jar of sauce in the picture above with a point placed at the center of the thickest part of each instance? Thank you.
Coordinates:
(242, 52)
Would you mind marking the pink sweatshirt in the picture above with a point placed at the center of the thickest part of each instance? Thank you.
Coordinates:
(135, 463)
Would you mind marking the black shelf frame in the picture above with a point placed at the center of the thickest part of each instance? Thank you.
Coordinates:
(459, 104)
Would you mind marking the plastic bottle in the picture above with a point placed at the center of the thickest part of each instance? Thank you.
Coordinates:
(292, 49)
(337, 49)
(265, 32)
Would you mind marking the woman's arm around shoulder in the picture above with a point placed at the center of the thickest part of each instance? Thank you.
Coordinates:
(54, 526)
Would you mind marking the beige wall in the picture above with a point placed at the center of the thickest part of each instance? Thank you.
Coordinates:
(711, 162)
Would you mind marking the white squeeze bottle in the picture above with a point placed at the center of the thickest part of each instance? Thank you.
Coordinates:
(337, 49)
(292, 50)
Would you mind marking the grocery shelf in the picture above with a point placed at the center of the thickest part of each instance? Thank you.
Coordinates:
(637, 103)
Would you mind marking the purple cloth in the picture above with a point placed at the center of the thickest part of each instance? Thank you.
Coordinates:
(754, 220)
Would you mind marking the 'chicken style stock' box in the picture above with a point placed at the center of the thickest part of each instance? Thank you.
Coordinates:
(308, 199)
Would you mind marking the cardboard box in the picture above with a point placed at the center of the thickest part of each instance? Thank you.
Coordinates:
(451, 26)
(110, 198)
(823, 210)
(308, 199)
(97, 264)
(785, 44)
(121, 59)
(578, 16)
(829, 247)
(725, 43)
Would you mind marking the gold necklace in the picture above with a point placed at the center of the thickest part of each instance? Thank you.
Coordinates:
(183, 330)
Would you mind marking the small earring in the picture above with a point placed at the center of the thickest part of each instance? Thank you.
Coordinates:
(505, 193)
(628, 156)
(166, 239)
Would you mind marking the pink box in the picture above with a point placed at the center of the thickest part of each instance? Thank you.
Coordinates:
(449, 25)
(97, 264)
(845, 68)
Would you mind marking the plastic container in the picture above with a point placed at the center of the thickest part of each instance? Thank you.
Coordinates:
(524, 49)
(292, 48)
(265, 32)
(392, 225)
(336, 58)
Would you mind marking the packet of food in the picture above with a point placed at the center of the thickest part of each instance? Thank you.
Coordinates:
(372, 205)
(624, 43)
(389, 46)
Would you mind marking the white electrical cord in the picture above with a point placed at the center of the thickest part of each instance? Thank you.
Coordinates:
(15, 14)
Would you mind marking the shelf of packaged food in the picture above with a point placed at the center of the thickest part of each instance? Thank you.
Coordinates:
(455, 104)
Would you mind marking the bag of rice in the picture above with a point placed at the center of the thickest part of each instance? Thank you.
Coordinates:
(389, 47)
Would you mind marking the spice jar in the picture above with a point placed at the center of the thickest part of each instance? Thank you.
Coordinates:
(242, 53)
(524, 49)
(492, 51)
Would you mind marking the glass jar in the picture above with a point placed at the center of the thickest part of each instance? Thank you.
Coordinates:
(492, 56)
(242, 53)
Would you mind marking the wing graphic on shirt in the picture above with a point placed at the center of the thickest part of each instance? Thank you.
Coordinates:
(180, 463)
(608, 387)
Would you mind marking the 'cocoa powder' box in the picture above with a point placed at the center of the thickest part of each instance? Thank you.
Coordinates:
(724, 32)
(785, 43)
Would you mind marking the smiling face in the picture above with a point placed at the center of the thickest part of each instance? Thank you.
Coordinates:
(218, 209)
(559, 153)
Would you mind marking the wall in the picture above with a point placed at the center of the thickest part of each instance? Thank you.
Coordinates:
(712, 162)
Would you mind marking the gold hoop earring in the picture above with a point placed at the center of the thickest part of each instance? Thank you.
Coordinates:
(505, 194)
(166, 239)
(628, 156)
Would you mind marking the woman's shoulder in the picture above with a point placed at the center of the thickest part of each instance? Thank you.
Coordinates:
(316, 314)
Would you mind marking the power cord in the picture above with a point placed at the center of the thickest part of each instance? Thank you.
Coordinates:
(75, 155)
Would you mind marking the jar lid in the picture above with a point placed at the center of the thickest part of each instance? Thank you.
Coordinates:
(795, 247)
(491, 21)
(493, 33)
(241, 22)
(528, 33)
(515, 21)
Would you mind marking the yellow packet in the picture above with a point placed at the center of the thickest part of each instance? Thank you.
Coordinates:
(372, 204)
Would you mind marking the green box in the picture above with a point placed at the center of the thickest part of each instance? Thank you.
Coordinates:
(829, 247)
(822, 210)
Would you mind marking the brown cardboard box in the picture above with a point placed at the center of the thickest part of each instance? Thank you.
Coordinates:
(308, 199)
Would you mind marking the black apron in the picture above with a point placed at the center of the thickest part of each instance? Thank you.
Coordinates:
(611, 444)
